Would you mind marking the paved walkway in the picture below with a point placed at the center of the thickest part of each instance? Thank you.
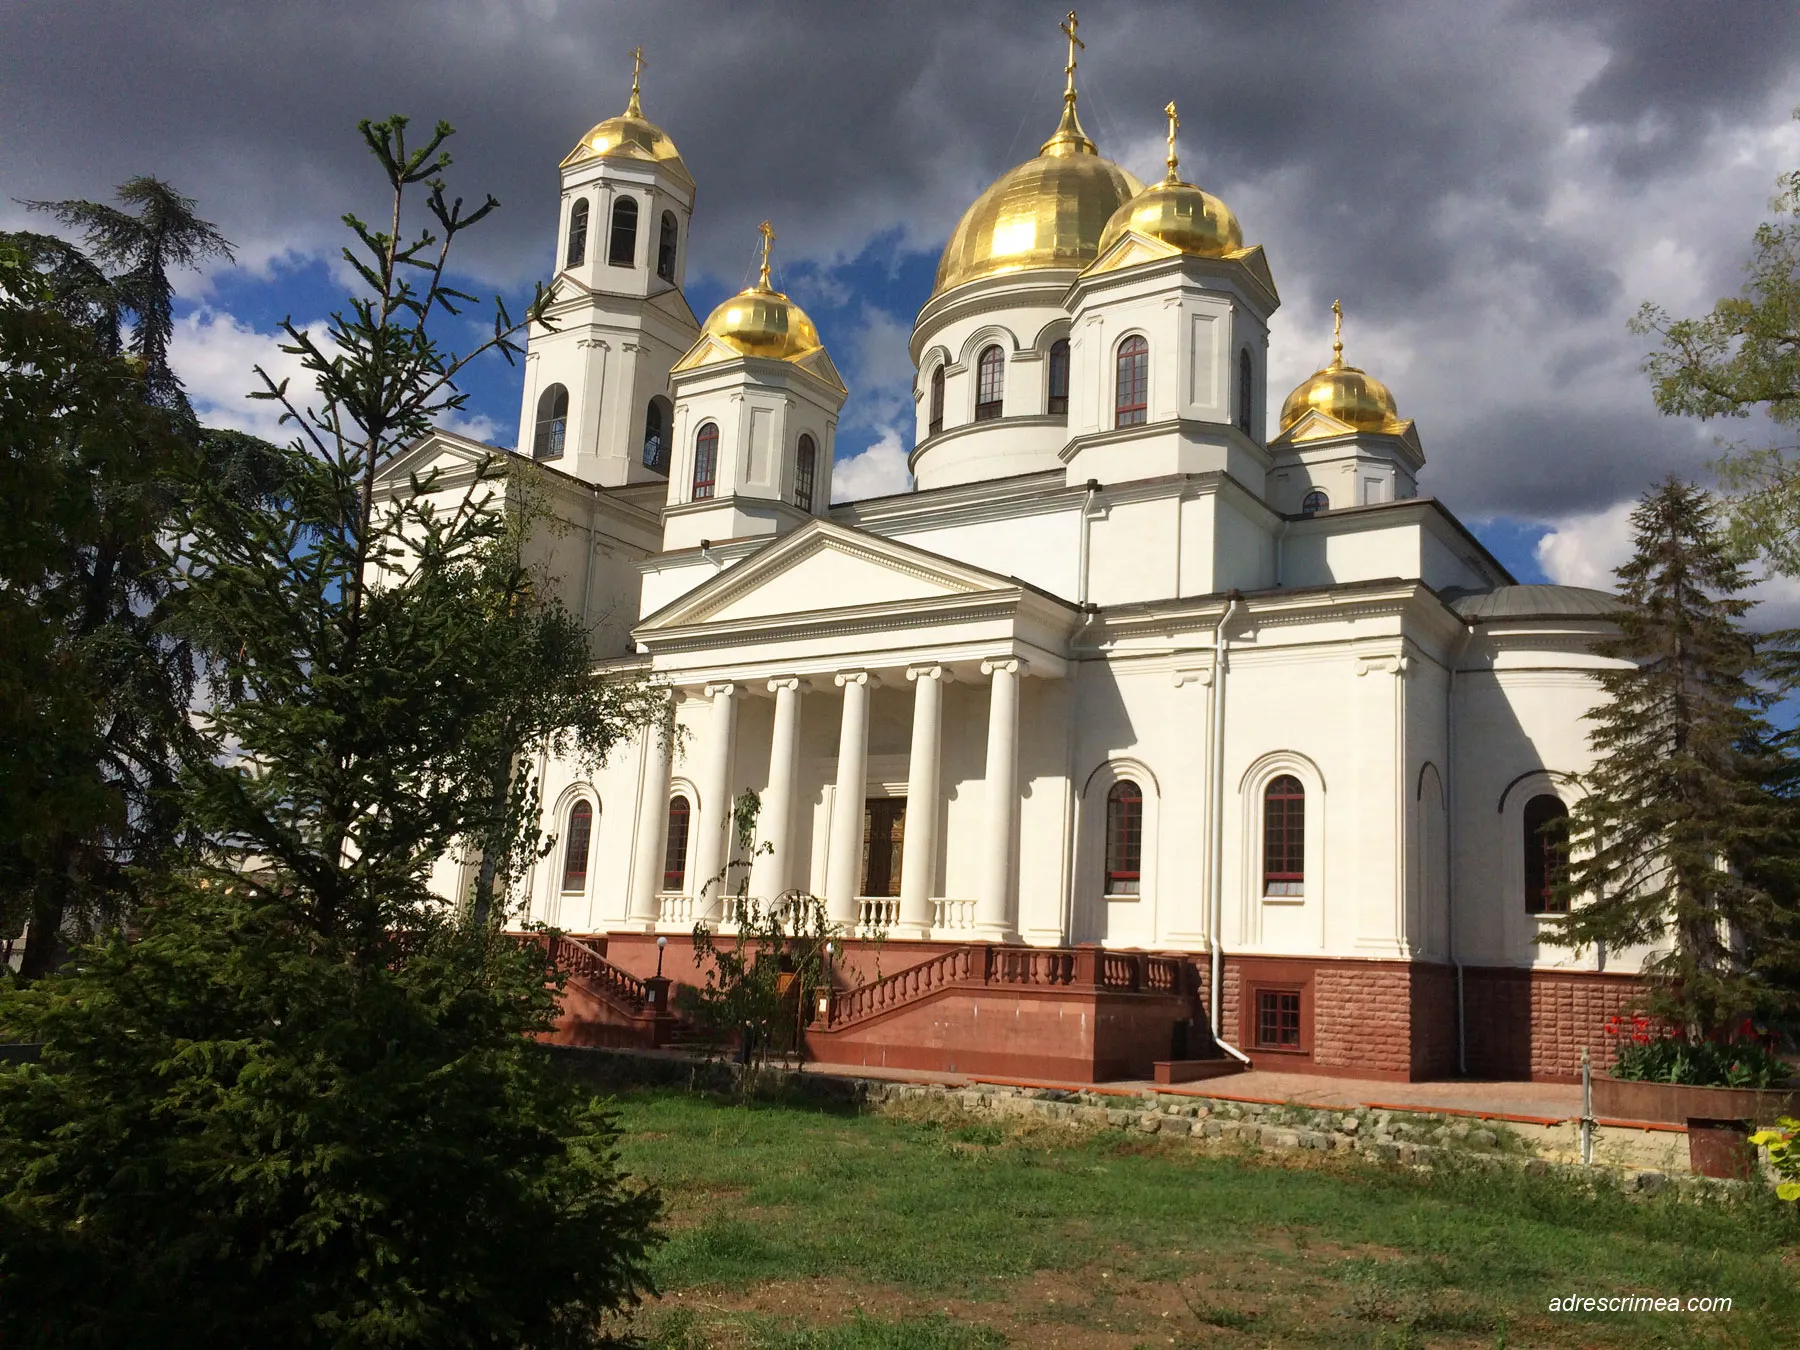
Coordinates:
(1527, 1101)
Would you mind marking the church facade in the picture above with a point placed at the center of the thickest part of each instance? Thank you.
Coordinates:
(1123, 673)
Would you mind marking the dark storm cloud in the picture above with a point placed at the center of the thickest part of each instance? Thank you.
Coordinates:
(1454, 170)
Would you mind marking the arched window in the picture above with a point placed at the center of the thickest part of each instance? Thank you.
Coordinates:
(1284, 837)
(1058, 402)
(806, 463)
(1314, 502)
(665, 248)
(1132, 395)
(706, 461)
(1246, 392)
(621, 251)
(1546, 854)
(552, 423)
(578, 219)
(576, 838)
(990, 383)
(675, 856)
(656, 436)
(936, 423)
(1124, 838)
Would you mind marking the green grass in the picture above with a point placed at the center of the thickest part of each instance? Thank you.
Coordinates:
(785, 1221)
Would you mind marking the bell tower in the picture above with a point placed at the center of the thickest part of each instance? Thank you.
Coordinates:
(596, 399)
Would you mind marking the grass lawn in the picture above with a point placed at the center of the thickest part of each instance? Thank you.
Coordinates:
(796, 1226)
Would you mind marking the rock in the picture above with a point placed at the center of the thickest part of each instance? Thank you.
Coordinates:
(1484, 1139)
(1349, 1125)
(1149, 1123)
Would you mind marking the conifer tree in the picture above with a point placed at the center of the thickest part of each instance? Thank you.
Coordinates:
(1684, 836)
(303, 1103)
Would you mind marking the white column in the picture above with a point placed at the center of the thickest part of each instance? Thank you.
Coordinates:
(652, 829)
(771, 872)
(715, 799)
(994, 918)
(843, 868)
(924, 773)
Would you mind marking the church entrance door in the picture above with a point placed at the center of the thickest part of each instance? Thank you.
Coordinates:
(884, 840)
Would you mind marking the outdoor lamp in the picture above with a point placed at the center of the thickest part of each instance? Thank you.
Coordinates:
(661, 942)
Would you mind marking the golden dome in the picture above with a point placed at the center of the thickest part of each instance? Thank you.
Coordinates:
(761, 321)
(630, 136)
(1177, 213)
(1047, 212)
(1343, 392)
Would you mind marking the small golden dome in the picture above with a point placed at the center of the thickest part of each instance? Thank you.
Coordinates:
(1046, 212)
(1177, 213)
(761, 321)
(1343, 392)
(630, 136)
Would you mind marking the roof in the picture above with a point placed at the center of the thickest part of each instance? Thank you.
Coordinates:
(1532, 602)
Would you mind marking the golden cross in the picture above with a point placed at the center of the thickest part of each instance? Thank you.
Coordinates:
(768, 236)
(1069, 28)
(1174, 124)
(634, 108)
(1337, 331)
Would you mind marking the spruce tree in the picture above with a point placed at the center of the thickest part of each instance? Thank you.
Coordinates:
(303, 1102)
(1685, 836)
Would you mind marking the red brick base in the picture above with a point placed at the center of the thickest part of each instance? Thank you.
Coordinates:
(1358, 1019)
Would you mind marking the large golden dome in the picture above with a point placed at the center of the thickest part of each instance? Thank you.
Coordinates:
(1343, 392)
(761, 321)
(629, 136)
(1177, 213)
(1047, 212)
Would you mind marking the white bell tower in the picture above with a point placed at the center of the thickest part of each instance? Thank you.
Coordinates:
(596, 399)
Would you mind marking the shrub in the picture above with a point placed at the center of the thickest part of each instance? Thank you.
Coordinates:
(1783, 1144)
(1648, 1054)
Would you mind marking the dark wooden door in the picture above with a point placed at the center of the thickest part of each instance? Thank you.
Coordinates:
(884, 840)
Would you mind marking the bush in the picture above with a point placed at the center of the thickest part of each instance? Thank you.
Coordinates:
(1648, 1055)
(236, 1136)
(1783, 1144)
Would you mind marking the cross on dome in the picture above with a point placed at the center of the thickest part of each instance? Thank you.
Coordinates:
(768, 237)
(635, 108)
(1174, 126)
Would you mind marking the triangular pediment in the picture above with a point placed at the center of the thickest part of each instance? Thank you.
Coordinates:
(1128, 250)
(1314, 425)
(441, 452)
(711, 351)
(822, 568)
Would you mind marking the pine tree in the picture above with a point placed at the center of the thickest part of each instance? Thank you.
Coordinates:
(1684, 837)
(303, 1103)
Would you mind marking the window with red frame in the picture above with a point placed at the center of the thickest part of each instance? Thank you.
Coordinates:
(1546, 854)
(1278, 1019)
(706, 461)
(1124, 839)
(1133, 392)
(675, 855)
(1284, 837)
(575, 846)
(990, 384)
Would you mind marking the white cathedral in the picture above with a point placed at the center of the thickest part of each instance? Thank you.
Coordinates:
(1121, 671)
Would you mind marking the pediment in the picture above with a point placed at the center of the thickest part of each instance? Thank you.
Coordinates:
(822, 568)
(711, 351)
(1314, 425)
(1128, 250)
(441, 452)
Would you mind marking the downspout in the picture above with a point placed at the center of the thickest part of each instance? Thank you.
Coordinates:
(1081, 557)
(1462, 1028)
(1280, 542)
(1216, 806)
(1088, 614)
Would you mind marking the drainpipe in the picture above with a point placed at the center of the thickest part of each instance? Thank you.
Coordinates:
(1089, 613)
(1462, 1028)
(1216, 806)
(1280, 543)
(1081, 559)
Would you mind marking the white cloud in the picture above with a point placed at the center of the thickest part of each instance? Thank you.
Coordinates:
(215, 355)
(878, 471)
(1584, 550)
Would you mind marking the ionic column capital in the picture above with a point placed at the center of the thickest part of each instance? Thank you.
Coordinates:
(727, 689)
(846, 677)
(1011, 665)
(933, 671)
(788, 682)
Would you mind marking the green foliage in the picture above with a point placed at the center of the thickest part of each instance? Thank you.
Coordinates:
(93, 692)
(760, 988)
(1682, 836)
(1675, 1059)
(1744, 357)
(1783, 1143)
(241, 1134)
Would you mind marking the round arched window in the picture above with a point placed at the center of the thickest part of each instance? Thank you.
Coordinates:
(1314, 502)
(1124, 838)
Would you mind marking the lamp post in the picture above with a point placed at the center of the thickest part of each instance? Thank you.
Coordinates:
(661, 942)
(825, 987)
